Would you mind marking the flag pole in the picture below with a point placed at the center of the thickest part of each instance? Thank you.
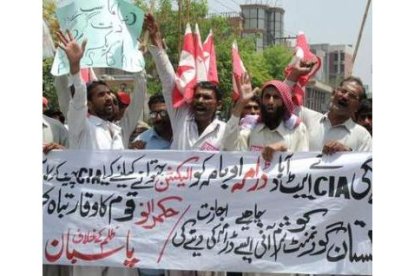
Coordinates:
(360, 34)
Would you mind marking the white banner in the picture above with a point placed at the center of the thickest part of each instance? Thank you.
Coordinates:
(221, 211)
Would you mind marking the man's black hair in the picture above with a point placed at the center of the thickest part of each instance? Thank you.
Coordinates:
(255, 98)
(156, 98)
(365, 107)
(92, 85)
(52, 113)
(211, 86)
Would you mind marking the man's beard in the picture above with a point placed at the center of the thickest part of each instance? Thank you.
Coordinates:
(271, 119)
(162, 126)
(105, 114)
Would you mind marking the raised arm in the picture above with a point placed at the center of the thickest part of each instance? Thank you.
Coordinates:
(63, 93)
(244, 85)
(162, 62)
(134, 111)
(301, 68)
(233, 138)
(78, 104)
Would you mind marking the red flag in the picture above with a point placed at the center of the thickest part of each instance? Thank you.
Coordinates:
(185, 77)
(210, 58)
(238, 70)
(302, 48)
(88, 75)
(304, 53)
(201, 70)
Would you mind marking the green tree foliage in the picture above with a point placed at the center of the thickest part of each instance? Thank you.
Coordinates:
(267, 64)
(49, 14)
(277, 58)
(49, 90)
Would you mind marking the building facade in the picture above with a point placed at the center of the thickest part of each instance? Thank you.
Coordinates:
(336, 62)
(317, 96)
(264, 22)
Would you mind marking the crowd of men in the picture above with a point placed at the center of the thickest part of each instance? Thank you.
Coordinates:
(99, 119)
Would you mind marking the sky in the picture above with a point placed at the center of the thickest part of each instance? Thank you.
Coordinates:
(323, 21)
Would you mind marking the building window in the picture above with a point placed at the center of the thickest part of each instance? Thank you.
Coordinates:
(278, 17)
(261, 23)
(261, 14)
(342, 55)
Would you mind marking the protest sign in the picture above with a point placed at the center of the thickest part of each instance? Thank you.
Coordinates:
(111, 29)
(190, 210)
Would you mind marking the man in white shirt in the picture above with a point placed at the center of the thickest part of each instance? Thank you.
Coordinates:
(335, 131)
(55, 135)
(89, 128)
(194, 125)
(279, 129)
(89, 120)
(132, 113)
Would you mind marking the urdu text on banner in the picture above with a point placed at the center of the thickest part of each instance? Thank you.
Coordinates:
(221, 211)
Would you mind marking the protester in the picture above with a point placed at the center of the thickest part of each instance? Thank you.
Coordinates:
(252, 107)
(194, 124)
(250, 113)
(92, 131)
(335, 131)
(364, 115)
(126, 117)
(140, 128)
(279, 129)
(157, 137)
(160, 135)
(55, 114)
(55, 135)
